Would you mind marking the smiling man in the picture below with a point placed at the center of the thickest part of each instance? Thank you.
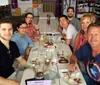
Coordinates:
(89, 54)
(8, 53)
(69, 32)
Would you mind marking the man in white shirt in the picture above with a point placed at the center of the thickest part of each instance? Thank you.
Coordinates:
(69, 32)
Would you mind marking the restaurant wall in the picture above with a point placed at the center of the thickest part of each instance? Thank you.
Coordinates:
(24, 5)
(5, 2)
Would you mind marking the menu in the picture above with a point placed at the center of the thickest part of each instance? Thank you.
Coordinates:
(39, 82)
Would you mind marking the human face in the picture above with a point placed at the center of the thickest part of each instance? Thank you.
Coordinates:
(94, 37)
(63, 22)
(70, 13)
(6, 31)
(29, 19)
(22, 29)
(85, 23)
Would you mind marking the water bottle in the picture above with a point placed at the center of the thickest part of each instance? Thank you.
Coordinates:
(48, 19)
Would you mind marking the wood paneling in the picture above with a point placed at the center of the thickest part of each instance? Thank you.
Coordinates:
(49, 6)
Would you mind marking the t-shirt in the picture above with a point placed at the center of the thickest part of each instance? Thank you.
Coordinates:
(7, 57)
(92, 64)
(70, 33)
(22, 42)
(76, 23)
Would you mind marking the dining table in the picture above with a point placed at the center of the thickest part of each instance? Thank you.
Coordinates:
(53, 48)
(41, 52)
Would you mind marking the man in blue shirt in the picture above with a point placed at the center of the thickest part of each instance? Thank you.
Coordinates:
(23, 42)
(89, 54)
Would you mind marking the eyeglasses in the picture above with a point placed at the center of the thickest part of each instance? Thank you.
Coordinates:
(92, 60)
(23, 27)
(30, 17)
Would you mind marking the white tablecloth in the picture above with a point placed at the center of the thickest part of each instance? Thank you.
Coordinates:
(28, 73)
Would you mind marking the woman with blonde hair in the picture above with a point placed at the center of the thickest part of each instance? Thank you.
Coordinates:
(81, 38)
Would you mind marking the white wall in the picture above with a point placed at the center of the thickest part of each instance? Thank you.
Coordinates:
(66, 5)
(4, 2)
(24, 5)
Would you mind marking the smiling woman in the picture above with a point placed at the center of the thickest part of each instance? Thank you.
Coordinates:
(23, 42)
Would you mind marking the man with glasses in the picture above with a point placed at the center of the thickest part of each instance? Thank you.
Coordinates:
(89, 54)
(8, 53)
(32, 29)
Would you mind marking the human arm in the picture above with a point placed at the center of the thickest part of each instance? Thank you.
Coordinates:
(27, 52)
(37, 32)
(60, 29)
(81, 55)
(69, 32)
(75, 48)
(68, 41)
(22, 61)
(4, 81)
(73, 61)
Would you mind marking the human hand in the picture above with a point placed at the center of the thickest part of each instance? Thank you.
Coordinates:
(72, 67)
(36, 39)
(64, 36)
(36, 26)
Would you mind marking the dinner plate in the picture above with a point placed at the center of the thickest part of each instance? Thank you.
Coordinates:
(71, 78)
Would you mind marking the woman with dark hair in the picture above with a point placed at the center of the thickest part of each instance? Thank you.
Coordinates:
(23, 42)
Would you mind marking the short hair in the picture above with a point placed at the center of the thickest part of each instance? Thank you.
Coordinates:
(5, 21)
(63, 16)
(28, 14)
(20, 23)
(88, 15)
(93, 25)
(70, 8)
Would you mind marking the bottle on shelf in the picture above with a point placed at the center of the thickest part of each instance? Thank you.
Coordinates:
(48, 19)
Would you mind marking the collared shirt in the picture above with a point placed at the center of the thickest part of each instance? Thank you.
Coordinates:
(31, 32)
(22, 42)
